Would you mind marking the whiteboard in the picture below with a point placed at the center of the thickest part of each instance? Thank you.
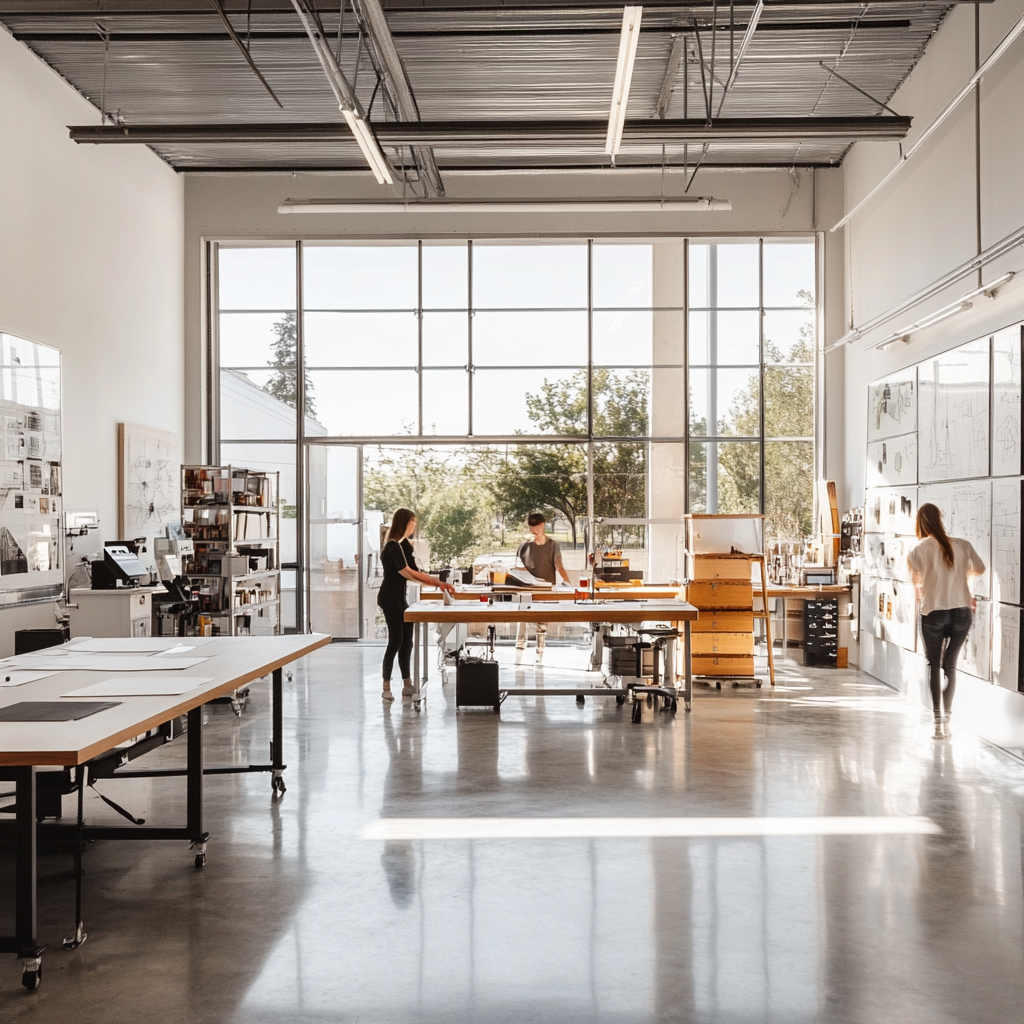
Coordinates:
(1006, 401)
(892, 461)
(892, 406)
(967, 512)
(954, 414)
(1006, 646)
(1006, 547)
(891, 510)
(975, 655)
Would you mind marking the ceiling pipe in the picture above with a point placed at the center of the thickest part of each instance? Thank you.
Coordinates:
(697, 204)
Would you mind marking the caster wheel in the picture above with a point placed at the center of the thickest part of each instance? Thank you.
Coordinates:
(200, 860)
(637, 713)
(620, 699)
(580, 700)
(675, 706)
(32, 979)
(718, 686)
(758, 684)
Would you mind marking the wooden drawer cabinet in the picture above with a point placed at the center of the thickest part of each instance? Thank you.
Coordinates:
(731, 594)
(724, 665)
(721, 567)
(718, 621)
(723, 643)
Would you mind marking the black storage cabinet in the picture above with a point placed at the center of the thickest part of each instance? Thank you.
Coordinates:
(821, 632)
(476, 684)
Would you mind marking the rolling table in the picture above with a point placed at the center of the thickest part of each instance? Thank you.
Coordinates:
(422, 613)
(230, 663)
(797, 593)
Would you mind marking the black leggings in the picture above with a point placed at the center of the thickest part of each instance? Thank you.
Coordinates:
(948, 627)
(399, 641)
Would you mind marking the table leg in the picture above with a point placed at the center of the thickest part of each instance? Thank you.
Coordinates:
(28, 948)
(194, 782)
(277, 725)
(417, 679)
(687, 667)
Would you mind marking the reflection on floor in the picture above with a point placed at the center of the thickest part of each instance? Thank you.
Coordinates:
(298, 919)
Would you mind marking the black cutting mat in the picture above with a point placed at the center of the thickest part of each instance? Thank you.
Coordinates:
(53, 710)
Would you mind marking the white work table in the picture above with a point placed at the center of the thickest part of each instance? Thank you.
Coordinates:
(230, 663)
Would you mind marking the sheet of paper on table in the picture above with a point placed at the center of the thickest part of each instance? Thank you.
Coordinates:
(113, 663)
(140, 686)
(123, 645)
(11, 677)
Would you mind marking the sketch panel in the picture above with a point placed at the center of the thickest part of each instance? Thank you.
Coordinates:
(1006, 646)
(976, 654)
(892, 406)
(967, 512)
(1006, 546)
(893, 613)
(885, 555)
(892, 462)
(1006, 401)
(891, 510)
(148, 480)
(954, 414)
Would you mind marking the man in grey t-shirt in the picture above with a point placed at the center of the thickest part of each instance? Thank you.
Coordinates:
(543, 557)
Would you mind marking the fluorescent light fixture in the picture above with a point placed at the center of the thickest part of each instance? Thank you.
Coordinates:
(961, 305)
(641, 828)
(697, 204)
(623, 76)
(368, 144)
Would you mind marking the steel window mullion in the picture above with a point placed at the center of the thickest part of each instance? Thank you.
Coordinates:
(301, 465)
(469, 335)
(760, 351)
(686, 371)
(419, 335)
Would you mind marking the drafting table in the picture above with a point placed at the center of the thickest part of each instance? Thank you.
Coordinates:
(472, 592)
(230, 663)
(636, 613)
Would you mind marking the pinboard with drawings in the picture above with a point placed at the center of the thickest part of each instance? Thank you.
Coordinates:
(953, 425)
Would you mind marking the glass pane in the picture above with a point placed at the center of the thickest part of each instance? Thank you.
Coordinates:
(724, 274)
(666, 500)
(789, 337)
(624, 338)
(275, 458)
(623, 275)
(668, 406)
(256, 278)
(360, 277)
(361, 339)
(257, 339)
(728, 339)
(445, 402)
(257, 404)
(530, 401)
(788, 489)
(725, 477)
(789, 273)
(621, 402)
(366, 402)
(529, 276)
(445, 339)
(529, 339)
(789, 401)
(620, 479)
(446, 276)
(726, 397)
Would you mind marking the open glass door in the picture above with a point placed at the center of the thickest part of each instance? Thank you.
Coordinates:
(335, 550)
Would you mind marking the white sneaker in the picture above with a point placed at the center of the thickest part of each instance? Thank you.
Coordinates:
(938, 734)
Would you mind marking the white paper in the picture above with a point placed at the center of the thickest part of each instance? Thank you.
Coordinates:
(140, 686)
(125, 645)
(95, 663)
(9, 677)
(173, 651)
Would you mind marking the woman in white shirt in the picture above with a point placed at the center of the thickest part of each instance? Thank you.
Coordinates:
(940, 567)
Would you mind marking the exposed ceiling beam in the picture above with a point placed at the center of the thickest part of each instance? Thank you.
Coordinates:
(675, 55)
(442, 31)
(755, 17)
(506, 133)
(371, 17)
(236, 39)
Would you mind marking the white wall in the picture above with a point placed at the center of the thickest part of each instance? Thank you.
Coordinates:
(918, 228)
(91, 262)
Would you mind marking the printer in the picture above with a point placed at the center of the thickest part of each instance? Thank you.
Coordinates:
(120, 567)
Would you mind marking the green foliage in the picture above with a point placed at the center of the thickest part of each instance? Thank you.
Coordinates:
(282, 385)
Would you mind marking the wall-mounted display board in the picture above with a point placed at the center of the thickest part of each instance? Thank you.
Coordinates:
(953, 425)
(30, 488)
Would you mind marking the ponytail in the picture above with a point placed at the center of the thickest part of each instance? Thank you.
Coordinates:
(929, 524)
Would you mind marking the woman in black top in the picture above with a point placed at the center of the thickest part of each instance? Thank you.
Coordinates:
(399, 565)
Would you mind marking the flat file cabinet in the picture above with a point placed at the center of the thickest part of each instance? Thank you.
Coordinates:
(126, 611)
(723, 635)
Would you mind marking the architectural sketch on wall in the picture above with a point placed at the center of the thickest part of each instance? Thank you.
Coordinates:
(891, 510)
(30, 469)
(975, 657)
(894, 616)
(953, 414)
(892, 406)
(885, 555)
(892, 461)
(148, 486)
(1006, 546)
(1006, 646)
(1006, 401)
(967, 512)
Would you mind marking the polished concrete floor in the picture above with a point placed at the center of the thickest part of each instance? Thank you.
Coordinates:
(296, 918)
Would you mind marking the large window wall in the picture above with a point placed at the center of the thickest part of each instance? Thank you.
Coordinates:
(583, 367)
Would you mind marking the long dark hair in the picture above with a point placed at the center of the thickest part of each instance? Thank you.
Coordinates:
(400, 522)
(929, 524)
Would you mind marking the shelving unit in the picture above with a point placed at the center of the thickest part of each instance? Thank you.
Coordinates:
(233, 517)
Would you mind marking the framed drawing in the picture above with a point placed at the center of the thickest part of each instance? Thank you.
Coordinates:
(148, 468)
